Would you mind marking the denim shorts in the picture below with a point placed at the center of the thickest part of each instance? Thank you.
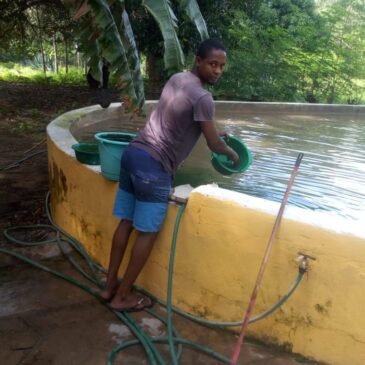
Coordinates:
(144, 188)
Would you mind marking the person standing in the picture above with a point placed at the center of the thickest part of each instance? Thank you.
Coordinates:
(184, 111)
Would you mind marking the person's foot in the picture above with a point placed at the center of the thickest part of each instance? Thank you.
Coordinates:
(108, 292)
(132, 303)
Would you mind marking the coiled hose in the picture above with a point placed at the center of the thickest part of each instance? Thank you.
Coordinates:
(92, 274)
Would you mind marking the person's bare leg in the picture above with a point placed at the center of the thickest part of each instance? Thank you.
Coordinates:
(125, 298)
(119, 245)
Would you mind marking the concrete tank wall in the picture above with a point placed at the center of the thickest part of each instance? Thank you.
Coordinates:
(221, 242)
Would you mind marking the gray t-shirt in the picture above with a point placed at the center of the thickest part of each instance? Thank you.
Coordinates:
(173, 129)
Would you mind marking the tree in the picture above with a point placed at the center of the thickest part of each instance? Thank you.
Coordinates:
(282, 50)
(263, 39)
(28, 26)
(107, 33)
(286, 50)
(343, 52)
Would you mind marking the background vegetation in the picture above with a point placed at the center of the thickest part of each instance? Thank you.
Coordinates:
(278, 50)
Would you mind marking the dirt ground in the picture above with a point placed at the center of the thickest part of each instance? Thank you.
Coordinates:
(25, 111)
(44, 320)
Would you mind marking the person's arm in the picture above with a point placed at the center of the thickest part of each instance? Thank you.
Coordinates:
(215, 142)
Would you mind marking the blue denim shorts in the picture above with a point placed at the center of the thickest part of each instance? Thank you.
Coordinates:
(144, 188)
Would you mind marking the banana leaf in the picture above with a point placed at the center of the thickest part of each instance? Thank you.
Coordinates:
(127, 37)
(114, 52)
(166, 19)
(191, 8)
(108, 33)
(91, 49)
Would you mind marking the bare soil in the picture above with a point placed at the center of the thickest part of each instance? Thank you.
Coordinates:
(25, 111)
(44, 320)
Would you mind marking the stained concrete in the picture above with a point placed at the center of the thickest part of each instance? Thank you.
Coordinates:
(45, 320)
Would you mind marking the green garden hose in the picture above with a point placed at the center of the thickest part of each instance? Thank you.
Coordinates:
(18, 162)
(173, 338)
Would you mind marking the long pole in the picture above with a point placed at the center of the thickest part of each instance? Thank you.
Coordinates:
(265, 259)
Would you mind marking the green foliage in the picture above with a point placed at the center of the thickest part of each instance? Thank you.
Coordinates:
(107, 34)
(283, 50)
(23, 24)
(113, 49)
(278, 50)
(75, 76)
(89, 46)
(21, 128)
(127, 36)
(167, 21)
(259, 66)
(192, 10)
(12, 72)
(36, 27)
(343, 51)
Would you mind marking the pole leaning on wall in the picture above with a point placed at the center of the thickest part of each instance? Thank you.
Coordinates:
(264, 262)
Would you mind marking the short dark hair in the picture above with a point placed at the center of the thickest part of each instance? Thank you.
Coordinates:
(206, 47)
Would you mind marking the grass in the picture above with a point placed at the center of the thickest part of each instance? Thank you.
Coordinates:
(13, 72)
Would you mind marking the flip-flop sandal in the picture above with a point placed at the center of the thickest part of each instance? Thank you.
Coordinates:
(143, 303)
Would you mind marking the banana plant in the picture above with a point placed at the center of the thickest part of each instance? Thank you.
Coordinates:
(107, 33)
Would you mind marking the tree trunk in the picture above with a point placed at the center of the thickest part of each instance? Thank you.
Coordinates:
(55, 50)
(153, 73)
(41, 42)
(66, 55)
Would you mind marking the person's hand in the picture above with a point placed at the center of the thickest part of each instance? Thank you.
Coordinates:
(235, 158)
(225, 134)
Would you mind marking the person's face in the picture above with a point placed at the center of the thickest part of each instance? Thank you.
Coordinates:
(210, 68)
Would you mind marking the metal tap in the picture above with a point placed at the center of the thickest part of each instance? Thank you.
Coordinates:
(303, 259)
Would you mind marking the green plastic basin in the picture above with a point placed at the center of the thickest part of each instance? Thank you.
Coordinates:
(87, 153)
(225, 166)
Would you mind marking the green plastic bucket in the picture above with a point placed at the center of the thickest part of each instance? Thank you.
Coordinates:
(87, 153)
(225, 166)
(111, 148)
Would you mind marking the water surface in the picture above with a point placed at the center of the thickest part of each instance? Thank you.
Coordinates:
(331, 176)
